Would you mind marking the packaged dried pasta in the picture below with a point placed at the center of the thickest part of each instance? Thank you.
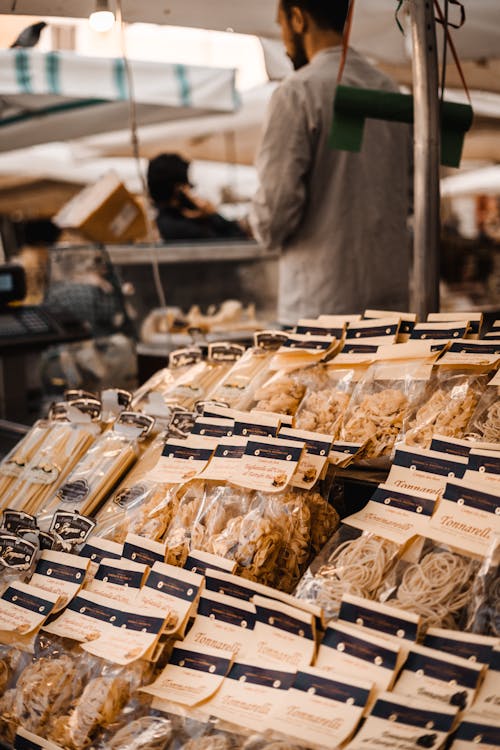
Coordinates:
(20, 455)
(12, 662)
(446, 407)
(63, 445)
(384, 397)
(281, 394)
(97, 473)
(237, 388)
(435, 582)
(484, 424)
(350, 563)
(484, 604)
(138, 728)
(328, 392)
(140, 505)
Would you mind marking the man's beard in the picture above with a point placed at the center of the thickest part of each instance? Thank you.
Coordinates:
(298, 56)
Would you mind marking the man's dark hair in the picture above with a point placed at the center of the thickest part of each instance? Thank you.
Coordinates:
(328, 14)
(165, 173)
(37, 232)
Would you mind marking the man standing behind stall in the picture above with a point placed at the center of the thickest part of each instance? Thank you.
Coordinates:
(340, 218)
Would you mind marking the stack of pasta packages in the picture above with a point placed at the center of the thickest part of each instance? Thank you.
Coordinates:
(186, 584)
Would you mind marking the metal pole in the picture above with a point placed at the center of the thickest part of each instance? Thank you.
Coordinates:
(426, 159)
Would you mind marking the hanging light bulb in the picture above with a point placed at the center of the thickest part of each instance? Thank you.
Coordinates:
(102, 19)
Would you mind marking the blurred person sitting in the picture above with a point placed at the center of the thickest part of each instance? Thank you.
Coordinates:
(181, 215)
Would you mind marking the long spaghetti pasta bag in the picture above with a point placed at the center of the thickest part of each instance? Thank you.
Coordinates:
(140, 505)
(98, 472)
(237, 387)
(438, 586)
(381, 403)
(447, 406)
(64, 445)
(351, 562)
(206, 508)
(20, 455)
(196, 384)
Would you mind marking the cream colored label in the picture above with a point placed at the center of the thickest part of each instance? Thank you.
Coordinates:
(198, 561)
(467, 518)
(174, 591)
(433, 675)
(407, 351)
(249, 695)
(351, 651)
(313, 459)
(133, 635)
(384, 620)
(24, 608)
(181, 460)
(118, 580)
(86, 618)
(269, 464)
(139, 549)
(226, 459)
(60, 573)
(393, 515)
(283, 636)
(191, 677)
(487, 703)
(495, 380)
(223, 623)
(319, 710)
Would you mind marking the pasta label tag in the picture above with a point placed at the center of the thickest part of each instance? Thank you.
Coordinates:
(86, 618)
(386, 620)
(25, 740)
(314, 327)
(119, 580)
(250, 693)
(13, 520)
(475, 731)
(476, 648)
(268, 465)
(216, 427)
(15, 552)
(198, 561)
(452, 446)
(60, 573)
(184, 357)
(226, 459)
(467, 518)
(23, 610)
(419, 470)
(142, 550)
(270, 341)
(284, 636)
(314, 458)
(223, 623)
(319, 709)
(72, 528)
(408, 723)
(225, 352)
(393, 515)
(191, 676)
(439, 331)
(98, 549)
(487, 703)
(181, 423)
(174, 590)
(181, 460)
(443, 678)
(385, 329)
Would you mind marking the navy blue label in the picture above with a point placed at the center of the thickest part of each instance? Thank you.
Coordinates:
(200, 662)
(229, 451)
(16, 552)
(139, 623)
(360, 649)
(415, 717)
(430, 464)
(72, 527)
(495, 660)
(120, 577)
(27, 601)
(374, 331)
(469, 731)
(271, 678)
(277, 452)
(346, 448)
(284, 622)
(141, 555)
(438, 333)
(171, 586)
(372, 618)
(211, 430)
(13, 520)
(196, 565)
(352, 348)
(481, 652)
(443, 446)
(226, 613)
(96, 554)
(404, 502)
(229, 588)
(94, 610)
(313, 447)
(440, 669)
(187, 453)
(490, 464)
(321, 331)
(470, 347)
(249, 428)
(335, 691)
(21, 743)
(310, 344)
(472, 498)
(60, 571)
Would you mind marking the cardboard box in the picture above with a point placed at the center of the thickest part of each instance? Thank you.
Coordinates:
(104, 212)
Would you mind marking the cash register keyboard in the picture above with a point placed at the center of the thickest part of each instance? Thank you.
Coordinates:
(28, 321)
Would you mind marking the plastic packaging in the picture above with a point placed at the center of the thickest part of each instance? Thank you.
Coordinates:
(484, 424)
(237, 388)
(484, 604)
(20, 455)
(328, 392)
(281, 393)
(351, 562)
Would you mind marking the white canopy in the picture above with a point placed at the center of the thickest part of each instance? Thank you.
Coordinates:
(57, 96)
(484, 181)
(374, 29)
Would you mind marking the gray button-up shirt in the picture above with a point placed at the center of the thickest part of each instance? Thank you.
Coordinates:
(339, 217)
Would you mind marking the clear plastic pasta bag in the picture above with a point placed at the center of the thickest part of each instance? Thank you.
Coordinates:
(484, 425)
(446, 407)
(281, 393)
(21, 454)
(205, 509)
(237, 387)
(213, 734)
(435, 582)
(139, 505)
(263, 742)
(137, 727)
(12, 662)
(484, 606)
(328, 392)
(196, 384)
(160, 383)
(351, 562)
(380, 404)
